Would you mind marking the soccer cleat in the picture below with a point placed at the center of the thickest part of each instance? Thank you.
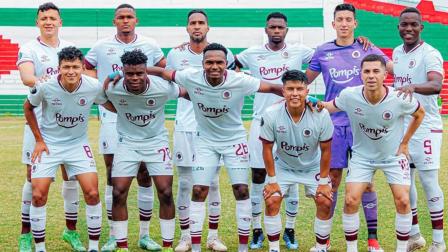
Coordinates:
(25, 241)
(374, 246)
(314, 249)
(416, 242)
(257, 239)
(72, 238)
(437, 247)
(290, 241)
(110, 245)
(215, 244)
(147, 243)
(184, 244)
(167, 249)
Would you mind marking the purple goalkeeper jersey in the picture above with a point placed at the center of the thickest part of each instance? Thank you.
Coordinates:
(340, 67)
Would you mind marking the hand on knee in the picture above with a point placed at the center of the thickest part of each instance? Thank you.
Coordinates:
(323, 206)
(273, 205)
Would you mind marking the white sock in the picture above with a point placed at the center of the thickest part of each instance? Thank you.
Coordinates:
(322, 229)
(40, 246)
(167, 228)
(197, 216)
(70, 194)
(38, 217)
(214, 205)
(94, 219)
(273, 226)
(184, 188)
(27, 195)
(403, 223)
(145, 199)
(292, 206)
(243, 215)
(350, 223)
(256, 197)
(121, 233)
(108, 201)
(413, 197)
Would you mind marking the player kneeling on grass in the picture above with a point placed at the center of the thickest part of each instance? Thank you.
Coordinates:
(303, 140)
(61, 139)
(376, 117)
(139, 100)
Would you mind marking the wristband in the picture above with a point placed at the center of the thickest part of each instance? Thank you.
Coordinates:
(324, 181)
(312, 99)
(114, 74)
(272, 180)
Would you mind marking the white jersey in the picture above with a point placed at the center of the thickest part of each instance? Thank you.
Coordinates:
(65, 115)
(44, 58)
(298, 143)
(268, 65)
(105, 56)
(412, 68)
(218, 109)
(377, 129)
(179, 60)
(141, 118)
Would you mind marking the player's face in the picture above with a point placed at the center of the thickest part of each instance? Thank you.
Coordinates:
(48, 22)
(214, 64)
(197, 27)
(125, 20)
(373, 75)
(410, 27)
(344, 23)
(295, 93)
(276, 29)
(135, 77)
(71, 71)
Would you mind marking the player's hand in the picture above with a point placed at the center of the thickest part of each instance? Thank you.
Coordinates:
(270, 189)
(38, 149)
(407, 90)
(324, 191)
(114, 78)
(182, 46)
(366, 43)
(403, 149)
(320, 106)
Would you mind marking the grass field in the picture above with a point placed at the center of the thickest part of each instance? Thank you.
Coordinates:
(13, 176)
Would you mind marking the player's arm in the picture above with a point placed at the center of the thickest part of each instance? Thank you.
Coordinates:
(27, 75)
(324, 188)
(109, 106)
(417, 118)
(390, 67)
(266, 87)
(329, 105)
(272, 186)
(238, 65)
(311, 75)
(30, 117)
(161, 63)
(183, 93)
(161, 72)
(431, 87)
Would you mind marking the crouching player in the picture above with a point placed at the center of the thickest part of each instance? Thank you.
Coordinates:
(61, 139)
(303, 140)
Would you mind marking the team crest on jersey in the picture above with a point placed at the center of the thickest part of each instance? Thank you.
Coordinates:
(44, 58)
(356, 54)
(226, 94)
(307, 132)
(82, 101)
(387, 115)
(285, 54)
(179, 156)
(56, 102)
(412, 63)
(151, 102)
(111, 51)
(329, 56)
(123, 102)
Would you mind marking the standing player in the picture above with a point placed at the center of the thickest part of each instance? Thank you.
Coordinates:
(139, 100)
(38, 60)
(302, 157)
(217, 95)
(418, 69)
(268, 62)
(185, 135)
(61, 138)
(376, 117)
(340, 63)
(105, 57)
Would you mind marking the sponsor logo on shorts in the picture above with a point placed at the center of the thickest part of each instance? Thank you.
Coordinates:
(272, 73)
(33, 168)
(307, 132)
(69, 121)
(356, 54)
(105, 145)
(428, 161)
(226, 94)
(82, 101)
(28, 154)
(212, 112)
(374, 133)
(179, 156)
(140, 120)
(387, 115)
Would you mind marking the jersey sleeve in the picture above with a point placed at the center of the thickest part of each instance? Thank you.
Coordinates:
(341, 101)
(267, 128)
(25, 55)
(408, 106)
(230, 59)
(182, 77)
(251, 84)
(173, 90)
(36, 95)
(91, 58)
(170, 60)
(433, 62)
(326, 130)
(377, 51)
(154, 53)
(315, 62)
(243, 58)
(101, 97)
(307, 54)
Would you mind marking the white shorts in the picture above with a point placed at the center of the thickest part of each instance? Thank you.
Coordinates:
(184, 152)
(108, 139)
(236, 161)
(127, 161)
(287, 178)
(76, 158)
(28, 145)
(425, 150)
(396, 170)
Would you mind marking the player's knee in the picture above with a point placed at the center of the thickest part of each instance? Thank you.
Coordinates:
(323, 205)
(165, 196)
(199, 192)
(370, 188)
(119, 195)
(402, 202)
(258, 176)
(92, 197)
(336, 177)
(39, 199)
(240, 191)
(272, 205)
(351, 201)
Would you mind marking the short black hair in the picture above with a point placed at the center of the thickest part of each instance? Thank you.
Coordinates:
(411, 10)
(294, 75)
(70, 53)
(47, 6)
(373, 58)
(134, 57)
(194, 11)
(344, 7)
(214, 47)
(124, 6)
(277, 15)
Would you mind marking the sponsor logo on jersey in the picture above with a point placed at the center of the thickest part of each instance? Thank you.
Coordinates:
(122, 102)
(198, 91)
(184, 62)
(150, 102)
(387, 115)
(82, 101)
(69, 121)
(272, 73)
(212, 112)
(356, 54)
(412, 63)
(140, 120)
(44, 58)
(343, 76)
(52, 71)
(260, 57)
(329, 56)
(226, 94)
(111, 51)
(56, 102)
(307, 132)
(116, 67)
(374, 133)
(281, 129)
(289, 147)
(407, 79)
(358, 111)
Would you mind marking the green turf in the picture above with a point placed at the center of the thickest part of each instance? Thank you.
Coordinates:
(13, 175)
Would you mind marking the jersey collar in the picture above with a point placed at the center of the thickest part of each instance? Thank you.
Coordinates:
(43, 43)
(121, 42)
(290, 117)
(269, 49)
(413, 49)
(63, 88)
(220, 84)
(384, 97)
(147, 83)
